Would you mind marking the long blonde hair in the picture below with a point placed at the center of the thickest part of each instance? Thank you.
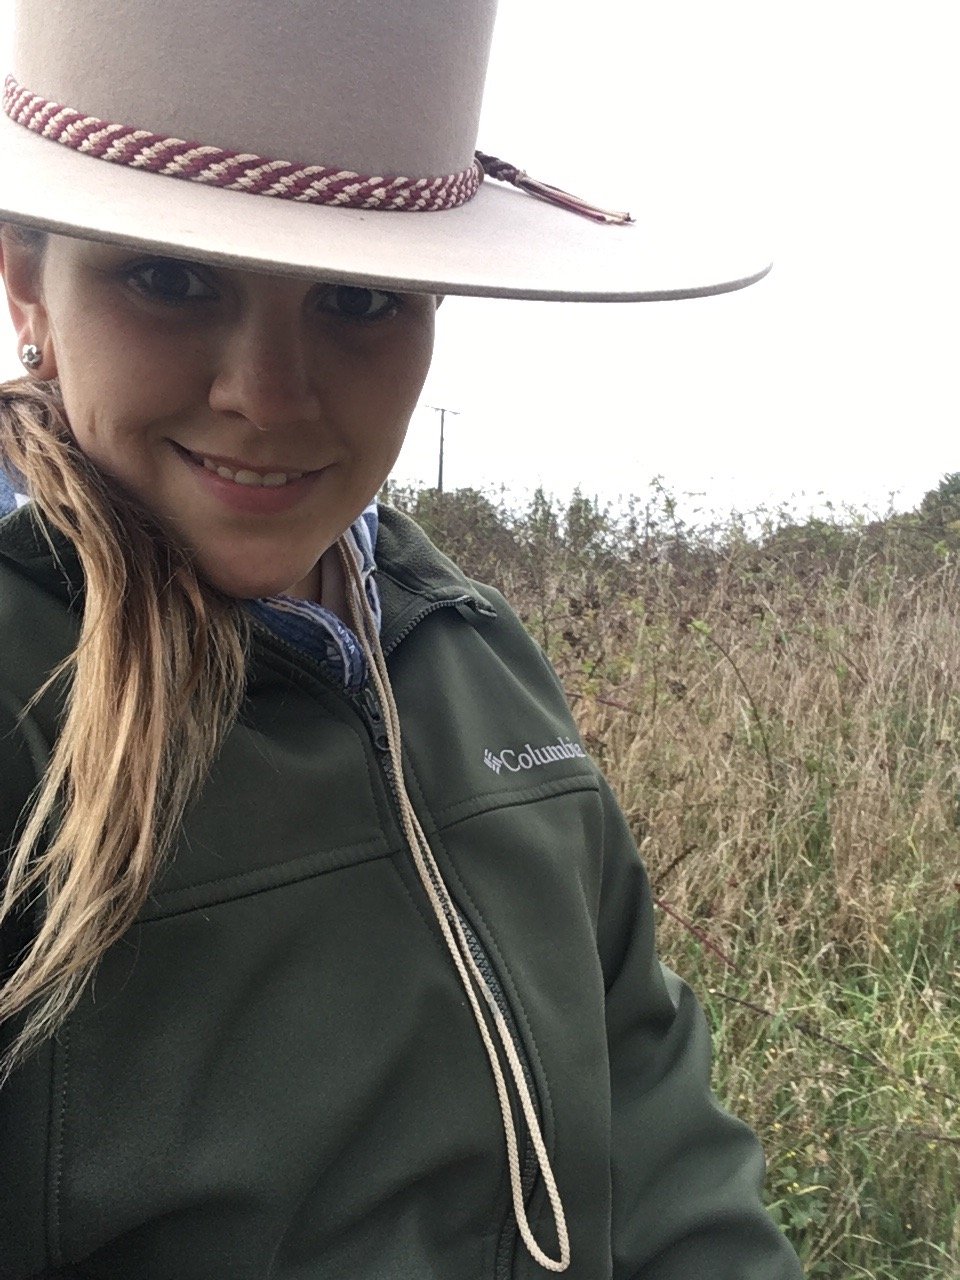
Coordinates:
(155, 680)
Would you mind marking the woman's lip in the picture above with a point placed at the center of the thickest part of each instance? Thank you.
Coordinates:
(249, 500)
(237, 464)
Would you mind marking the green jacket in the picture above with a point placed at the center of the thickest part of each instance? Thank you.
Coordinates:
(276, 1076)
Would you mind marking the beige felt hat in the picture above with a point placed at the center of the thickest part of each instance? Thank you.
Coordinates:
(332, 139)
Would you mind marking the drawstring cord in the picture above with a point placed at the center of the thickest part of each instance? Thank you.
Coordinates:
(448, 919)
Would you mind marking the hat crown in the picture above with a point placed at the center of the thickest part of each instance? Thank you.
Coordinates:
(376, 86)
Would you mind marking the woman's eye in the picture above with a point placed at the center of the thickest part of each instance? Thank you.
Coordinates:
(170, 282)
(351, 302)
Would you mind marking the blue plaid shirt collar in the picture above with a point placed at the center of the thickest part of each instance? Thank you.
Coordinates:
(320, 633)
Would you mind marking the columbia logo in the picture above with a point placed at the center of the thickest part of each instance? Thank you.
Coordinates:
(528, 757)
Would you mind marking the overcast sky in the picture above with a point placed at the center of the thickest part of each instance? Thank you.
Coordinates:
(834, 125)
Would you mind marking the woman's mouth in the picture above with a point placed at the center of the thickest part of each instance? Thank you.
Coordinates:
(243, 474)
(256, 480)
(245, 488)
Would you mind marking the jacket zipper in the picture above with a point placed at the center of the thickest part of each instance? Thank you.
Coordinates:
(424, 613)
(528, 1169)
(373, 716)
(365, 702)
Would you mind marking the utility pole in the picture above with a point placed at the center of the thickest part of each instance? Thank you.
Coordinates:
(443, 416)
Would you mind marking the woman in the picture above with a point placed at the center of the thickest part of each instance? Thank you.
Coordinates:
(326, 950)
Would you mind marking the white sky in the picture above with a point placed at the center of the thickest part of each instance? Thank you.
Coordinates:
(835, 125)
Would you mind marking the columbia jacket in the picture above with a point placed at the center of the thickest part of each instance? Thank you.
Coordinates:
(275, 1075)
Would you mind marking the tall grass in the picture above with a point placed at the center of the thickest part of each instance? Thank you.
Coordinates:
(778, 708)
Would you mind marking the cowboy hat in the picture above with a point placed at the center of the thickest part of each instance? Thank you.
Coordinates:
(331, 139)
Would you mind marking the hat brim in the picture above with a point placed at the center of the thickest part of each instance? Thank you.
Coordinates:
(503, 243)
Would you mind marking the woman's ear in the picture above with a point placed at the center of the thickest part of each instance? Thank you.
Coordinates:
(21, 267)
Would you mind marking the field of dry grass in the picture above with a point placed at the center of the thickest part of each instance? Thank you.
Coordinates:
(779, 713)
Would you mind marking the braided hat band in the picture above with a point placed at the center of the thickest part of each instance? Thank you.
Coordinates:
(238, 171)
(175, 158)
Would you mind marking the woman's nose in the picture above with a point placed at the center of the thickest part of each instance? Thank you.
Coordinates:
(266, 374)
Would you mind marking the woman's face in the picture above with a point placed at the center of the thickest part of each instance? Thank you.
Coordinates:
(257, 415)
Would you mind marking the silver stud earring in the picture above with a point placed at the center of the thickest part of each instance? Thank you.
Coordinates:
(31, 356)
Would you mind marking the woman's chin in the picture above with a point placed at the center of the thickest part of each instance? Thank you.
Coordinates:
(245, 584)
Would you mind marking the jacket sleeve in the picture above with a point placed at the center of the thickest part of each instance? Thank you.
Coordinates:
(686, 1176)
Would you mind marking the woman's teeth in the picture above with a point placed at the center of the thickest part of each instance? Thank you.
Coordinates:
(253, 479)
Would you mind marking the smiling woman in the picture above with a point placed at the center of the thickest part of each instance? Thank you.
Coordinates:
(370, 1000)
(217, 396)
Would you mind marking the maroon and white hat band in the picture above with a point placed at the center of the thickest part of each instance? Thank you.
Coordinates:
(282, 179)
(236, 171)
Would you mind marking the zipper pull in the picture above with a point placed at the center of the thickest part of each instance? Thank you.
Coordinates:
(372, 714)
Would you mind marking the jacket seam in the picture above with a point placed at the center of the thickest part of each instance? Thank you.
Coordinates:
(448, 816)
(283, 883)
(59, 1060)
(375, 784)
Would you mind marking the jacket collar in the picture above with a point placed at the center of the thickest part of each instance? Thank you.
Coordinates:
(414, 578)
